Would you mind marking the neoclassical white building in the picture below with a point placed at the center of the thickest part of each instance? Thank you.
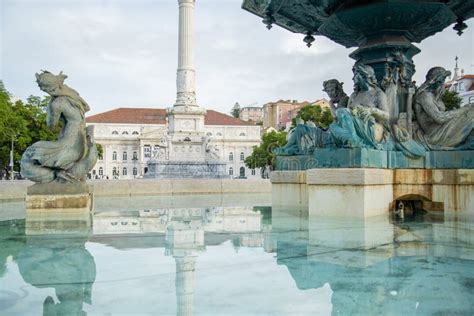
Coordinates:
(130, 137)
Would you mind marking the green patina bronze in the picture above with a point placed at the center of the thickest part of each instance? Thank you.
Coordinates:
(74, 153)
(377, 28)
(388, 122)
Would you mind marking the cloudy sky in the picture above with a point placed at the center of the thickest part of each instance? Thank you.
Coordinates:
(123, 53)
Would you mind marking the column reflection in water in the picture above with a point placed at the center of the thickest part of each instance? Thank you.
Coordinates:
(184, 241)
(55, 256)
(185, 229)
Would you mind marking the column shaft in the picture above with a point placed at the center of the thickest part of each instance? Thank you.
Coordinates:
(185, 80)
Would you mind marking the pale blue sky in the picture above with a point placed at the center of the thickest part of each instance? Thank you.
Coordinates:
(123, 53)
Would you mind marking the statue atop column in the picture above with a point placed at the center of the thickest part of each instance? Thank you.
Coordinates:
(69, 158)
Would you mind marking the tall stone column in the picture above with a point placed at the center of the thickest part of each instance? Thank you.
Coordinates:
(185, 80)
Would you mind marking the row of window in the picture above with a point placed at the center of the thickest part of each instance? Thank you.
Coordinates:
(148, 154)
(231, 156)
(458, 87)
(220, 134)
(115, 171)
(125, 156)
(124, 133)
(241, 171)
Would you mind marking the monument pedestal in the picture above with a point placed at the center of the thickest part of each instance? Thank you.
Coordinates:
(186, 169)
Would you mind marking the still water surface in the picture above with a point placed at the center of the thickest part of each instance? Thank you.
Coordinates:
(231, 255)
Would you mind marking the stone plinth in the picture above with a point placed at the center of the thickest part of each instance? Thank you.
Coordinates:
(364, 192)
(289, 189)
(54, 208)
(54, 196)
(346, 193)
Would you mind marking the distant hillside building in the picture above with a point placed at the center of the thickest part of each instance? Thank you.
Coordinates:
(132, 136)
(275, 114)
(252, 113)
(323, 103)
(280, 113)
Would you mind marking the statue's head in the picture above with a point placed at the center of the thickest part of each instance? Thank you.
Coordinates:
(364, 77)
(333, 88)
(49, 82)
(436, 76)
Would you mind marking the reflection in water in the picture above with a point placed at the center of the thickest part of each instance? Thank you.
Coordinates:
(424, 265)
(375, 266)
(62, 264)
(157, 220)
(12, 234)
(185, 230)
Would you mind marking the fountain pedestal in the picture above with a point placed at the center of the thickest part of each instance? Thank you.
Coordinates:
(50, 196)
(364, 192)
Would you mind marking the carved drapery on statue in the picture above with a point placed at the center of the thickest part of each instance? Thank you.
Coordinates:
(440, 129)
(73, 154)
(368, 122)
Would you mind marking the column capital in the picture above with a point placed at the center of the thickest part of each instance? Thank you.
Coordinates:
(186, 1)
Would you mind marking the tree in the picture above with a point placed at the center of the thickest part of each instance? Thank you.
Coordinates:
(262, 155)
(100, 150)
(235, 113)
(451, 100)
(24, 123)
(236, 110)
(11, 125)
(314, 112)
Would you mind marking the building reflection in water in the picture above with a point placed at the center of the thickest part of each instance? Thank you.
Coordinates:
(184, 230)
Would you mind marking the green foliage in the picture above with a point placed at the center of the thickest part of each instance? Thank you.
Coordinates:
(24, 123)
(261, 155)
(100, 150)
(235, 112)
(451, 100)
(314, 112)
